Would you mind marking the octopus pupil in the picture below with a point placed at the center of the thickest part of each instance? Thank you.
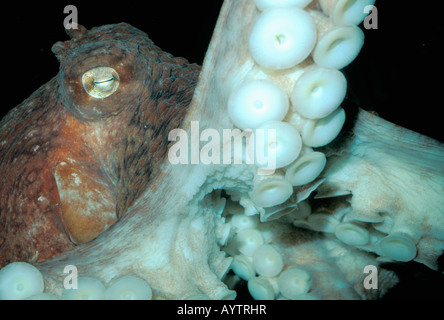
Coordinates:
(104, 81)
(101, 82)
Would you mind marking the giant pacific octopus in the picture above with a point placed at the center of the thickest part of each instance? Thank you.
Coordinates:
(71, 163)
(86, 179)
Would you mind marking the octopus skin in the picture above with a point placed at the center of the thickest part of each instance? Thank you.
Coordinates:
(71, 172)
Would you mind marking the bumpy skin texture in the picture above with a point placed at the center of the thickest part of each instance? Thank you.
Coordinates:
(71, 164)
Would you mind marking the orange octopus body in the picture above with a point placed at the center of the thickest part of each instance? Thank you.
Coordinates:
(70, 163)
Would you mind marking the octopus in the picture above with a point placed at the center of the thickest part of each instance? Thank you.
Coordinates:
(87, 179)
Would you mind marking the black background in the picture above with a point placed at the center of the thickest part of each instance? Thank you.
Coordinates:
(399, 73)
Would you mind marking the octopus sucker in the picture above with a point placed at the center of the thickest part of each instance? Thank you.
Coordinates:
(91, 171)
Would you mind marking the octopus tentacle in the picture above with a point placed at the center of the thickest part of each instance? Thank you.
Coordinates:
(306, 228)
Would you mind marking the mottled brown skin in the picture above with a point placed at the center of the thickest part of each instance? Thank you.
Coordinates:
(71, 164)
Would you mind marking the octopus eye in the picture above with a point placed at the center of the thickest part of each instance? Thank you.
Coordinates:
(101, 82)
